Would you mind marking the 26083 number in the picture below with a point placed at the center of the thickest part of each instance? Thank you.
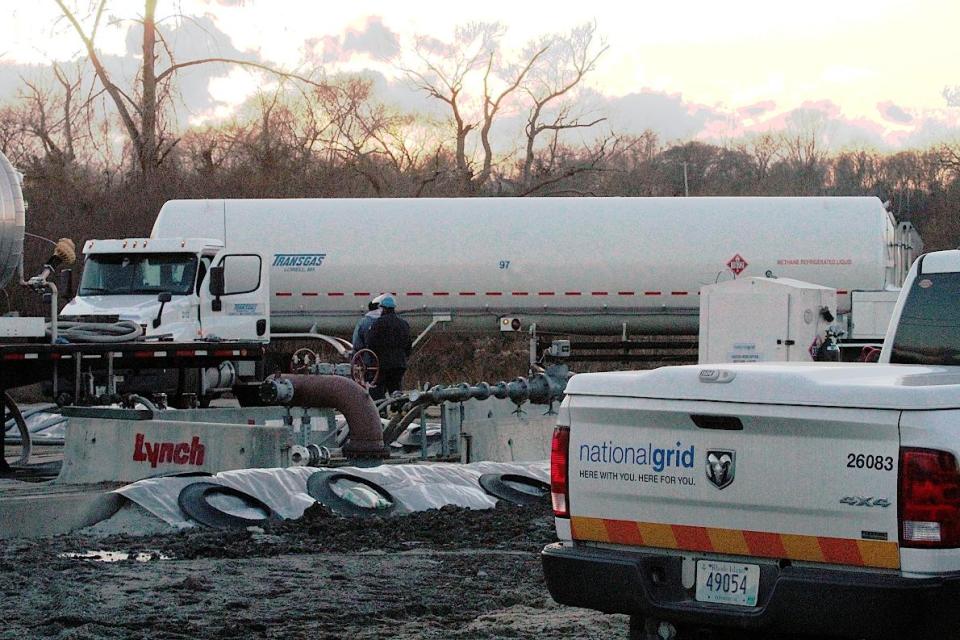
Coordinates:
(869, 461)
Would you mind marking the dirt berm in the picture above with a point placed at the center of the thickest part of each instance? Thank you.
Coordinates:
(448, 573)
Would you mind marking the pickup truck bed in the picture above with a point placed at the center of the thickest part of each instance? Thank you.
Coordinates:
(756, 496)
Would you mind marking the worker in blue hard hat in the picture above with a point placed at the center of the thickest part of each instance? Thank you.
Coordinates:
(389, 338)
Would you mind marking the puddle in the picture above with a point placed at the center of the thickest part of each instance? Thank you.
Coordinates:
(114, 556)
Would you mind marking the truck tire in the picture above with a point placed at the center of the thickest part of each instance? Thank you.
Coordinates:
(638, 629)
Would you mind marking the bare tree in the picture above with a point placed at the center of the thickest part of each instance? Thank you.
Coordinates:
(141, 114)
(568, 60)
(55, 115)
(765, 148)
(442, 73)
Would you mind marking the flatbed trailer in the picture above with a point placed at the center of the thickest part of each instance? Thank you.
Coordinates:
(26, 363)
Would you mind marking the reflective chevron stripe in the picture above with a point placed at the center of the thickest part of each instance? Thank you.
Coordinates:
(846, 551)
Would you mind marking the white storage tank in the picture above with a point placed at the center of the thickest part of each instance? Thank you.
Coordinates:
(12, 219)
(585, 265)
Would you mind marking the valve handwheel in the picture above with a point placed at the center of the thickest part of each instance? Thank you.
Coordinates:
(365, 368)
(302, 359)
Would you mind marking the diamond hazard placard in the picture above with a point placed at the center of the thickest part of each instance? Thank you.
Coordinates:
(737, 264)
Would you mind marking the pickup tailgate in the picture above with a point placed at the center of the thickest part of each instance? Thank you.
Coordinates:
(802, 483)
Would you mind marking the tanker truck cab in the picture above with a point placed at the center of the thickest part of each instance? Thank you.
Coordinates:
(176, 289)
(818, 499)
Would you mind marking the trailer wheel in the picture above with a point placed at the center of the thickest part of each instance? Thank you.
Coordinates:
(204, 503)
(302, 360)
(515, 488)
(365, 368)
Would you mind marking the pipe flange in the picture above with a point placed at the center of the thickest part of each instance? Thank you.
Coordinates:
(276, 391)
(299, 456)
(319, 456)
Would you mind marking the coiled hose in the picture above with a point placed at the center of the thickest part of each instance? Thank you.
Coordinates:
(99, 332)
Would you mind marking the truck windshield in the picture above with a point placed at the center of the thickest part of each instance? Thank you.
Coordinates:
(929, 328)
(149, 273)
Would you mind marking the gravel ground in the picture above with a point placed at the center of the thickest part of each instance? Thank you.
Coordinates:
(449, 573)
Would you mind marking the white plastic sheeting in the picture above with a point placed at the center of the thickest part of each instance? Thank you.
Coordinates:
(45, 424)
(415, 487)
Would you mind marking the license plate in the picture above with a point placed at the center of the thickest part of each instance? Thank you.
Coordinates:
(728, 582)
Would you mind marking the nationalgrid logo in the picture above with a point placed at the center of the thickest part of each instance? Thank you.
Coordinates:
(657, 458)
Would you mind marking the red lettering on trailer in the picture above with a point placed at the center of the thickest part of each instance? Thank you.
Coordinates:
(181, 453)
(168, 452)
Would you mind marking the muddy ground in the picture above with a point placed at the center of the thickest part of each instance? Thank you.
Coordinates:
(452, 573)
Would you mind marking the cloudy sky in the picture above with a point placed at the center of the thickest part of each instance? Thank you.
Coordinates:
(871, 72)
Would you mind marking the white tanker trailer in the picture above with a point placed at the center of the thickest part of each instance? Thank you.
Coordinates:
(579, 265)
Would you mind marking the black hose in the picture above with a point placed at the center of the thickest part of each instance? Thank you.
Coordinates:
(26, 445)
(393, 431)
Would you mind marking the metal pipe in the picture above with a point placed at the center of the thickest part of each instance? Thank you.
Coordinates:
(54, 312)
(342, 394)
(542, 388)
(423, 435)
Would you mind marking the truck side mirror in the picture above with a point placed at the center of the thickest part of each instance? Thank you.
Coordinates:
(216, 287)
(66, 284)
(163, 298)
(216, 281)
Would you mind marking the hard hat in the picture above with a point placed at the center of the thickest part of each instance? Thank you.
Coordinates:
(378, 299)
(388, 302)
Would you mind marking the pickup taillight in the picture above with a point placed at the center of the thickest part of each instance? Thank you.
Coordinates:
(929, 499)
(559, 487)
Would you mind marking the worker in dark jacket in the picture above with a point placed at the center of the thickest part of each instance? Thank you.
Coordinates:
(389, 338)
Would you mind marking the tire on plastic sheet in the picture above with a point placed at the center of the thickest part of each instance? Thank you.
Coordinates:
(499, 485)
(194, 502)
(319, 487)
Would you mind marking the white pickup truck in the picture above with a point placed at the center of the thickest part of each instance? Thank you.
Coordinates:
(811, 498)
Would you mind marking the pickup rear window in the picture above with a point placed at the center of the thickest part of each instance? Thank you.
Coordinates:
(929, 328)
